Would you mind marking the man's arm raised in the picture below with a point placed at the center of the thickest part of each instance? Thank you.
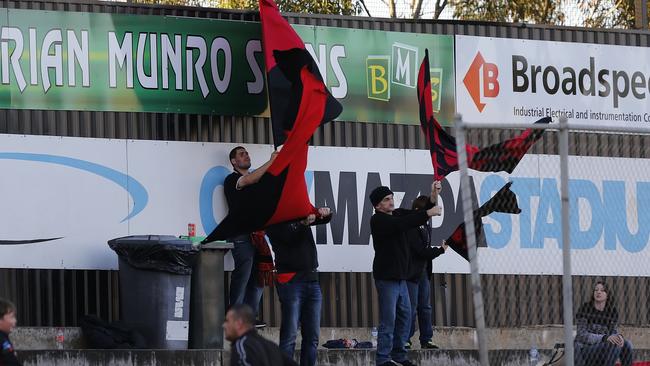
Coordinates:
(257, 174)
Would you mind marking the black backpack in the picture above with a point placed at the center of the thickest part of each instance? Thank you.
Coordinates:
(102, 335)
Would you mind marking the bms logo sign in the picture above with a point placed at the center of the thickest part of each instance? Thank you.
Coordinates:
(399, 70)
(482, 81)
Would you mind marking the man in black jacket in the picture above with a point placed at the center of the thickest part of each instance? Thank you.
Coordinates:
(7, 325)
(389, 227)
(296, 262)
(249, 348)
(418, 282)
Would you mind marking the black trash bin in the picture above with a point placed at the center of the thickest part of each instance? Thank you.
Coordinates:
(155, 279)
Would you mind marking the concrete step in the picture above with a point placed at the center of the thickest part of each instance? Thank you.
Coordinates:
(450, 338)
(325, 357)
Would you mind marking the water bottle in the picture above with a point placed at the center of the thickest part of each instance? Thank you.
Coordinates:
(373, 337)
(60, 338)
(533, 356)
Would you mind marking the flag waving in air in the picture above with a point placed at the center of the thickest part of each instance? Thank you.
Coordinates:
(502, 156)
(300, 102)
(284, 55)
(503, 201)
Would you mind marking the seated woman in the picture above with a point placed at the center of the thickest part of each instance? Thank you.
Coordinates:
(598, 341)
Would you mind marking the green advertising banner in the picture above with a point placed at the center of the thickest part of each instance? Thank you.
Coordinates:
(112, 62)
(106, 62)
(374, 74)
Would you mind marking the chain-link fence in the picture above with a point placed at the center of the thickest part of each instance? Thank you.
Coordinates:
(588, 187)
(574, 13)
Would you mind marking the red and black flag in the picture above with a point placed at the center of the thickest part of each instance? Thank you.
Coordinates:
(502, 156)
(301, 105)
(441, 145)
(505, 155)
(503, 201)
(284, 56)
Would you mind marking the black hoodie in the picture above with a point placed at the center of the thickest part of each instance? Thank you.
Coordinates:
(389, 239)
(7, 352)
(422, 253)
(254, 350)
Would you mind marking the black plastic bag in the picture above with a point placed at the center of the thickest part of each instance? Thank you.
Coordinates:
(102, 335)
(156, 252)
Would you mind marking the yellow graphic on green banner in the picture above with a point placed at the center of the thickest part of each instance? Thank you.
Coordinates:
(436, 87)
(377, 75)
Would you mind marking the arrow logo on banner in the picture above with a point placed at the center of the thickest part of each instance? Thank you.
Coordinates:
(481, 81)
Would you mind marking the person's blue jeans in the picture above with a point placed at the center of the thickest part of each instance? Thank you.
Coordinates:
(300, 303)
(394, 320)
(420, 297)
(243, 283)
(604, 353)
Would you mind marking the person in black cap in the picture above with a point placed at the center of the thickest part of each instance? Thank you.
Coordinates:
(389, 227)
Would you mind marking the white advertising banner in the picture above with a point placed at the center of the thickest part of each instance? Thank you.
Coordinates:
(64, 198)
(501, 80)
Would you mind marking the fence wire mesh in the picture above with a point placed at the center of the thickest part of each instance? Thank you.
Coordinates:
(520, 254)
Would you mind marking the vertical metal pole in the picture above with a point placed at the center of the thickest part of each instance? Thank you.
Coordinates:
(567, 287)
(477, 293)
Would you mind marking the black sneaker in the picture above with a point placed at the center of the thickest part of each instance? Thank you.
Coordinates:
(260, 324)
(408, 345)
(428, 345)
(406, 363)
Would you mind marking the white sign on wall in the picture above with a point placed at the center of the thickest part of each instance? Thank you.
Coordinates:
(503, 80)
(64, 198)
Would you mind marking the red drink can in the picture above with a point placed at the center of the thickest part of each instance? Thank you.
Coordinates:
(191, 230)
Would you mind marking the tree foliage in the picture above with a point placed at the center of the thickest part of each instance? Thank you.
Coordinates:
(173, 2)
(417, 8)
(438, 7)
(594, 13)
(342, 7)
(608, 13)
(540, 12)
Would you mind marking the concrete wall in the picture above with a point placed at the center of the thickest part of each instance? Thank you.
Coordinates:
(325, 358)
(449, 338)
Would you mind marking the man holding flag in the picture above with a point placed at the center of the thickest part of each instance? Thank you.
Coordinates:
(419, 281)
(389, 227)
(296, 262)
(299, 103)
(243, 282)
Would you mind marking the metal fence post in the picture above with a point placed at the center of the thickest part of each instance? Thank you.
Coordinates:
(477, 293)
(567, 286)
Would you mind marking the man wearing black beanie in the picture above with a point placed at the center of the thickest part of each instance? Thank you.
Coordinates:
(388, 227)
